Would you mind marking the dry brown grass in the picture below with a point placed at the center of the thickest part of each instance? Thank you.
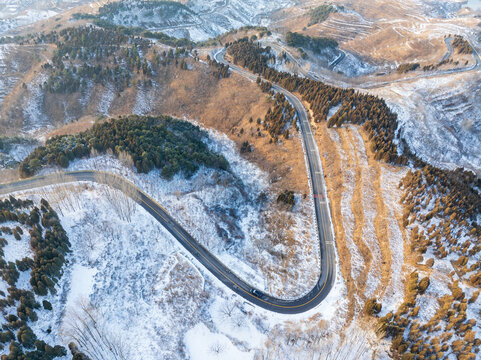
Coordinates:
(8, 175)
(380, 223)
(381, 31)
(225, 105)
(30, 59)
(76, 127)
(331, 163)
(365, 175)
(357, 207)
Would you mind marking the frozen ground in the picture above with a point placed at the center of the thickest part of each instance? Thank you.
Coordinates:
(16, 13)
(14, 150)
(133, 284)
(9, 74)
(440, 118)
(352, 66)
(200, 19)
(394, 291)
(274, 249)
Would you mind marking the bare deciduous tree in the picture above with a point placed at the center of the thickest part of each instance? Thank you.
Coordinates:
(86, 328)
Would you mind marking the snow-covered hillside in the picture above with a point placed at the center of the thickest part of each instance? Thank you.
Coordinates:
(129, 284)
(15, 13)
(440, 119)
(9, 70)
(197, 19)
(274, 249)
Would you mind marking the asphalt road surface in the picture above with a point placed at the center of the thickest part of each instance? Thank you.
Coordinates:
(378, 84)
(209, 261)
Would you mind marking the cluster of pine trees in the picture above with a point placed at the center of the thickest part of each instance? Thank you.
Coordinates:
(49, 243)
(447, 203)
(404, 68)
(279, 117)
(461, 45)
(164, 143)
(114, 8)
(379, 121)
(81, 55)
(320, 13)
(250, 55)
(221, 71)
(315, 44)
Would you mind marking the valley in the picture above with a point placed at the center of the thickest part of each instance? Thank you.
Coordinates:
(240, 180)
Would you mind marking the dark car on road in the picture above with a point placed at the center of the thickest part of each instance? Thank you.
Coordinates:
(257, 293)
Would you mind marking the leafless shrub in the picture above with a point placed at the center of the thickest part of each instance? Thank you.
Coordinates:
(228, 310)
(216, 348)
(120, 194)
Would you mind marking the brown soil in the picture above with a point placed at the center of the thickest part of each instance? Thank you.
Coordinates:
(331, 163)
(76, 127)
(381, 31)
(364, 175)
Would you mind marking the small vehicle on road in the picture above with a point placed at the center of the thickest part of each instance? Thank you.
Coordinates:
(256, 293)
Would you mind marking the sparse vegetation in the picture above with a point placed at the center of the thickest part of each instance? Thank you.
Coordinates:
(287, 198)
(404, 68)
(461, 45)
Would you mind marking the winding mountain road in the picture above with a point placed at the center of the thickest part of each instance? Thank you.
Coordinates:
(379, 84)
(211, 263)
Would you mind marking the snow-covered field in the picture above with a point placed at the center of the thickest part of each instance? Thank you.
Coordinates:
(135, 285)
(13, 151)
(224, 213)
(8, 70)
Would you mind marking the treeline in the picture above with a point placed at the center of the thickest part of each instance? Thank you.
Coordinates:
(250, 55)
(114, 8)
(45, 270)
(168, 40)
(221, 71)
(404, 68)
(461, 45)
(139, 31)
(320, 14)
(315, 44)
(261, 32)
(167, 144)
(279, 117)
(108, 11)
(379, 121)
